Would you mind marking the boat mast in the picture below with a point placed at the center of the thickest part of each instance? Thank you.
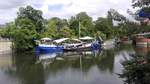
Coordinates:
(79, 28)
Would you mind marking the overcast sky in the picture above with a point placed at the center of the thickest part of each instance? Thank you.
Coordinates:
(63, 8)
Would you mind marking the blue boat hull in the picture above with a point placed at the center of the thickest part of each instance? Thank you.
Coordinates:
(49, 49)
(96, 45)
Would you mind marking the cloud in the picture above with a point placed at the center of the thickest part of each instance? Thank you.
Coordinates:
(94, 8)
(10, 4)
(64, 8)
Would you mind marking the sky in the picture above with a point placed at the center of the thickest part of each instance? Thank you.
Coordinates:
(63, 8)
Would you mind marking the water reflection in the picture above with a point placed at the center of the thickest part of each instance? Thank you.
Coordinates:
(23, 70)
(141, 50)
(85, 60)
(65, 68)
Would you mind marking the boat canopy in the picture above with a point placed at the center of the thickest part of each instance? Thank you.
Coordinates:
(86, 38)
(60, 40)
(46, 39)
(77, 40)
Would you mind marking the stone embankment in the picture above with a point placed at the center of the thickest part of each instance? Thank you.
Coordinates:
(5, 47)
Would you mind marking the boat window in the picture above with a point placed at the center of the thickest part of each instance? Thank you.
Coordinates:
(87, 41)
(46, 42)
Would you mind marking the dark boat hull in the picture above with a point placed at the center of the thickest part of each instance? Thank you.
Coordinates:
(93, 47)
(78, 49)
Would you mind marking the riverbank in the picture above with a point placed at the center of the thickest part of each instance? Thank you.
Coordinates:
(5, 47)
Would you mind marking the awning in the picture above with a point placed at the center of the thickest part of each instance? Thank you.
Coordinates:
(86, 38)
(46, 39)
(60, 40)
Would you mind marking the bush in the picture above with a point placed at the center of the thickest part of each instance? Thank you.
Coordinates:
(137, 70)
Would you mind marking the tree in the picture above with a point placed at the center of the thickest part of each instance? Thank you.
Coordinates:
(103, 25)
(86, 24)
(23, 39)
(74, 25)
(1, 32)
(57, 23)
(66, 33)
(35, 17)
(29, 24)
(54, 27)
(99, 33)
(106, 25)
(114, 15)
(7, 31)
(128, 28)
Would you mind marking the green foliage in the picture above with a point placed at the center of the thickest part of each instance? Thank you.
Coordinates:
(8, 30)
(55, 27)
(114, 15)
(74, 25)
(137, 70)
(99, 33)
(106, 25)
(1, 32)
(103, 25)
(35, 17)
(28, 26)
(23, 39)
(144, 28)
(66, 33)
(86, 24)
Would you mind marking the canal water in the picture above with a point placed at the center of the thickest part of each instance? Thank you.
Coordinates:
(95, 67)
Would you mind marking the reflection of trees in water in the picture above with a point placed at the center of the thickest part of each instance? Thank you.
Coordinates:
(104, 61)
(126, 47)
(141, 50)
(26, 70)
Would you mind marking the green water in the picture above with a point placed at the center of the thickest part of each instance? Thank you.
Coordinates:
(98, 67)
